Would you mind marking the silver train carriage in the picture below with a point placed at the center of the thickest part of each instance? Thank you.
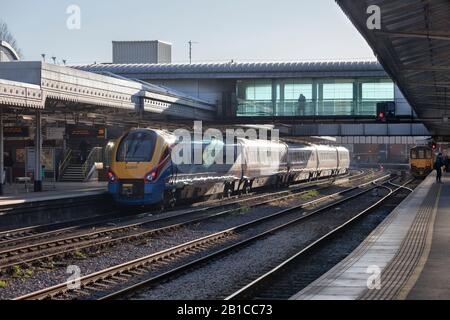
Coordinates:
(207, 168)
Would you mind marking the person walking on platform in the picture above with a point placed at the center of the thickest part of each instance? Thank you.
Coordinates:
(438, 164)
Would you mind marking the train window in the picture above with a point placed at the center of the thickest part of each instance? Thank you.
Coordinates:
(137, 146)
(413, 154)
(429, 154)
(422, 154)
(303, 156)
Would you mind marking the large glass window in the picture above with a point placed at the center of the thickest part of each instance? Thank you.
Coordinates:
(292, 91)
(372, 93)
(294, 97)
(337, 99)
(312, 97)
(338, 91)
(255, 97)
(137, 146)
(255, 90)
(381, 91)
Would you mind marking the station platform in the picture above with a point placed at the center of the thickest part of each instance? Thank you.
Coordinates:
(16, 194)
(405, 258)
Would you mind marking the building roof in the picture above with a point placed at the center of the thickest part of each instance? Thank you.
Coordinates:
(240, 69)
(28, 84)
(413, 45)
(9, 52)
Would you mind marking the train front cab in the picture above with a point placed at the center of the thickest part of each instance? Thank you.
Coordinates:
(421, 161)
(139, 168)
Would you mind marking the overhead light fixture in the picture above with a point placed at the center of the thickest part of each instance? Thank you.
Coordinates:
(28, 118)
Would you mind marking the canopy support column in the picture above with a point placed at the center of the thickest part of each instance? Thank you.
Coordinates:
(38, 153)
(1, 151)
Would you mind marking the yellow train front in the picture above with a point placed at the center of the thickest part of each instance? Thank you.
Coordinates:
(421, 160)
(140, 167)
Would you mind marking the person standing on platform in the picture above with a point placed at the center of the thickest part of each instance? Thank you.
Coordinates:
(301, 105)
(438, 164)
(447, 164)
(83, 150)
(8, 163)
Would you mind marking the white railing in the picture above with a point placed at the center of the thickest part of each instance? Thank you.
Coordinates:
(96, 155)
(64, 164)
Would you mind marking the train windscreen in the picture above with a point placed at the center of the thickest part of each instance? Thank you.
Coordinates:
(137, 146)
(421, 154)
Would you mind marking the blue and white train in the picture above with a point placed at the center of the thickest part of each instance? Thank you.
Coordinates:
(143, 172)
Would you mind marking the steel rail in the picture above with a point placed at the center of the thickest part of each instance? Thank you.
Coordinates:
(14, 256)
(139, 265)
(265, 278)
(9, 237)
(31, 233)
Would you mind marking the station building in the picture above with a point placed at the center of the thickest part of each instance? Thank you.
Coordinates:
(7, 52)
(48, 112)
(52, 110)
(271, 92)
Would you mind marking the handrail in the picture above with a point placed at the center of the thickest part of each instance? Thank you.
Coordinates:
(63, 165)
(96, 155)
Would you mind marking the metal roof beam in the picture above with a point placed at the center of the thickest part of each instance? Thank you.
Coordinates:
(421, 35)
(431, 84)
(427, 68)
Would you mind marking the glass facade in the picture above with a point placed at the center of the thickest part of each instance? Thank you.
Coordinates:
(312, 97)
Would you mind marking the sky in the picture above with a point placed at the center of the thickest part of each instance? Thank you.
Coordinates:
(242, 30)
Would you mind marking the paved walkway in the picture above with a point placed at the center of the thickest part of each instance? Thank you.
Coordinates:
(19, 193)
(405, 257)
(434, 279)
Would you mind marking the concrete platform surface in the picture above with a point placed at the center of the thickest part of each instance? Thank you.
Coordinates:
(18, 193)
(405, 257)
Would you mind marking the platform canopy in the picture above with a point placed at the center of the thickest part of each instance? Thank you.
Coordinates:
(64, 93)
(413, 45)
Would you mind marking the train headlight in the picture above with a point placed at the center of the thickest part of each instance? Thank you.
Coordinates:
(150, 177)
(111, 176)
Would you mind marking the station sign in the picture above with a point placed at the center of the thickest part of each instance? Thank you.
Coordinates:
(16, 132)
(53, 133)
(86, 132)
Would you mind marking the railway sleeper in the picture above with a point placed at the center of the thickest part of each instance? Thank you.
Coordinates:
(92, 287)
(137, 272)
(102, 285)
(110, 282)
(119, 278)
(82, 292)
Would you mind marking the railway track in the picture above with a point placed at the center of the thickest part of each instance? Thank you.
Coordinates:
(28, 210)
(281, 280)
(13, 237)
(10, 256)
(101, 284)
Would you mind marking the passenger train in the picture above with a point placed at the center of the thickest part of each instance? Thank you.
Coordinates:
(143, 170)
(421, 160)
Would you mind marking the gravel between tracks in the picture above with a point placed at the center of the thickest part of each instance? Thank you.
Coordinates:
(44, 277)
(218, 278)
